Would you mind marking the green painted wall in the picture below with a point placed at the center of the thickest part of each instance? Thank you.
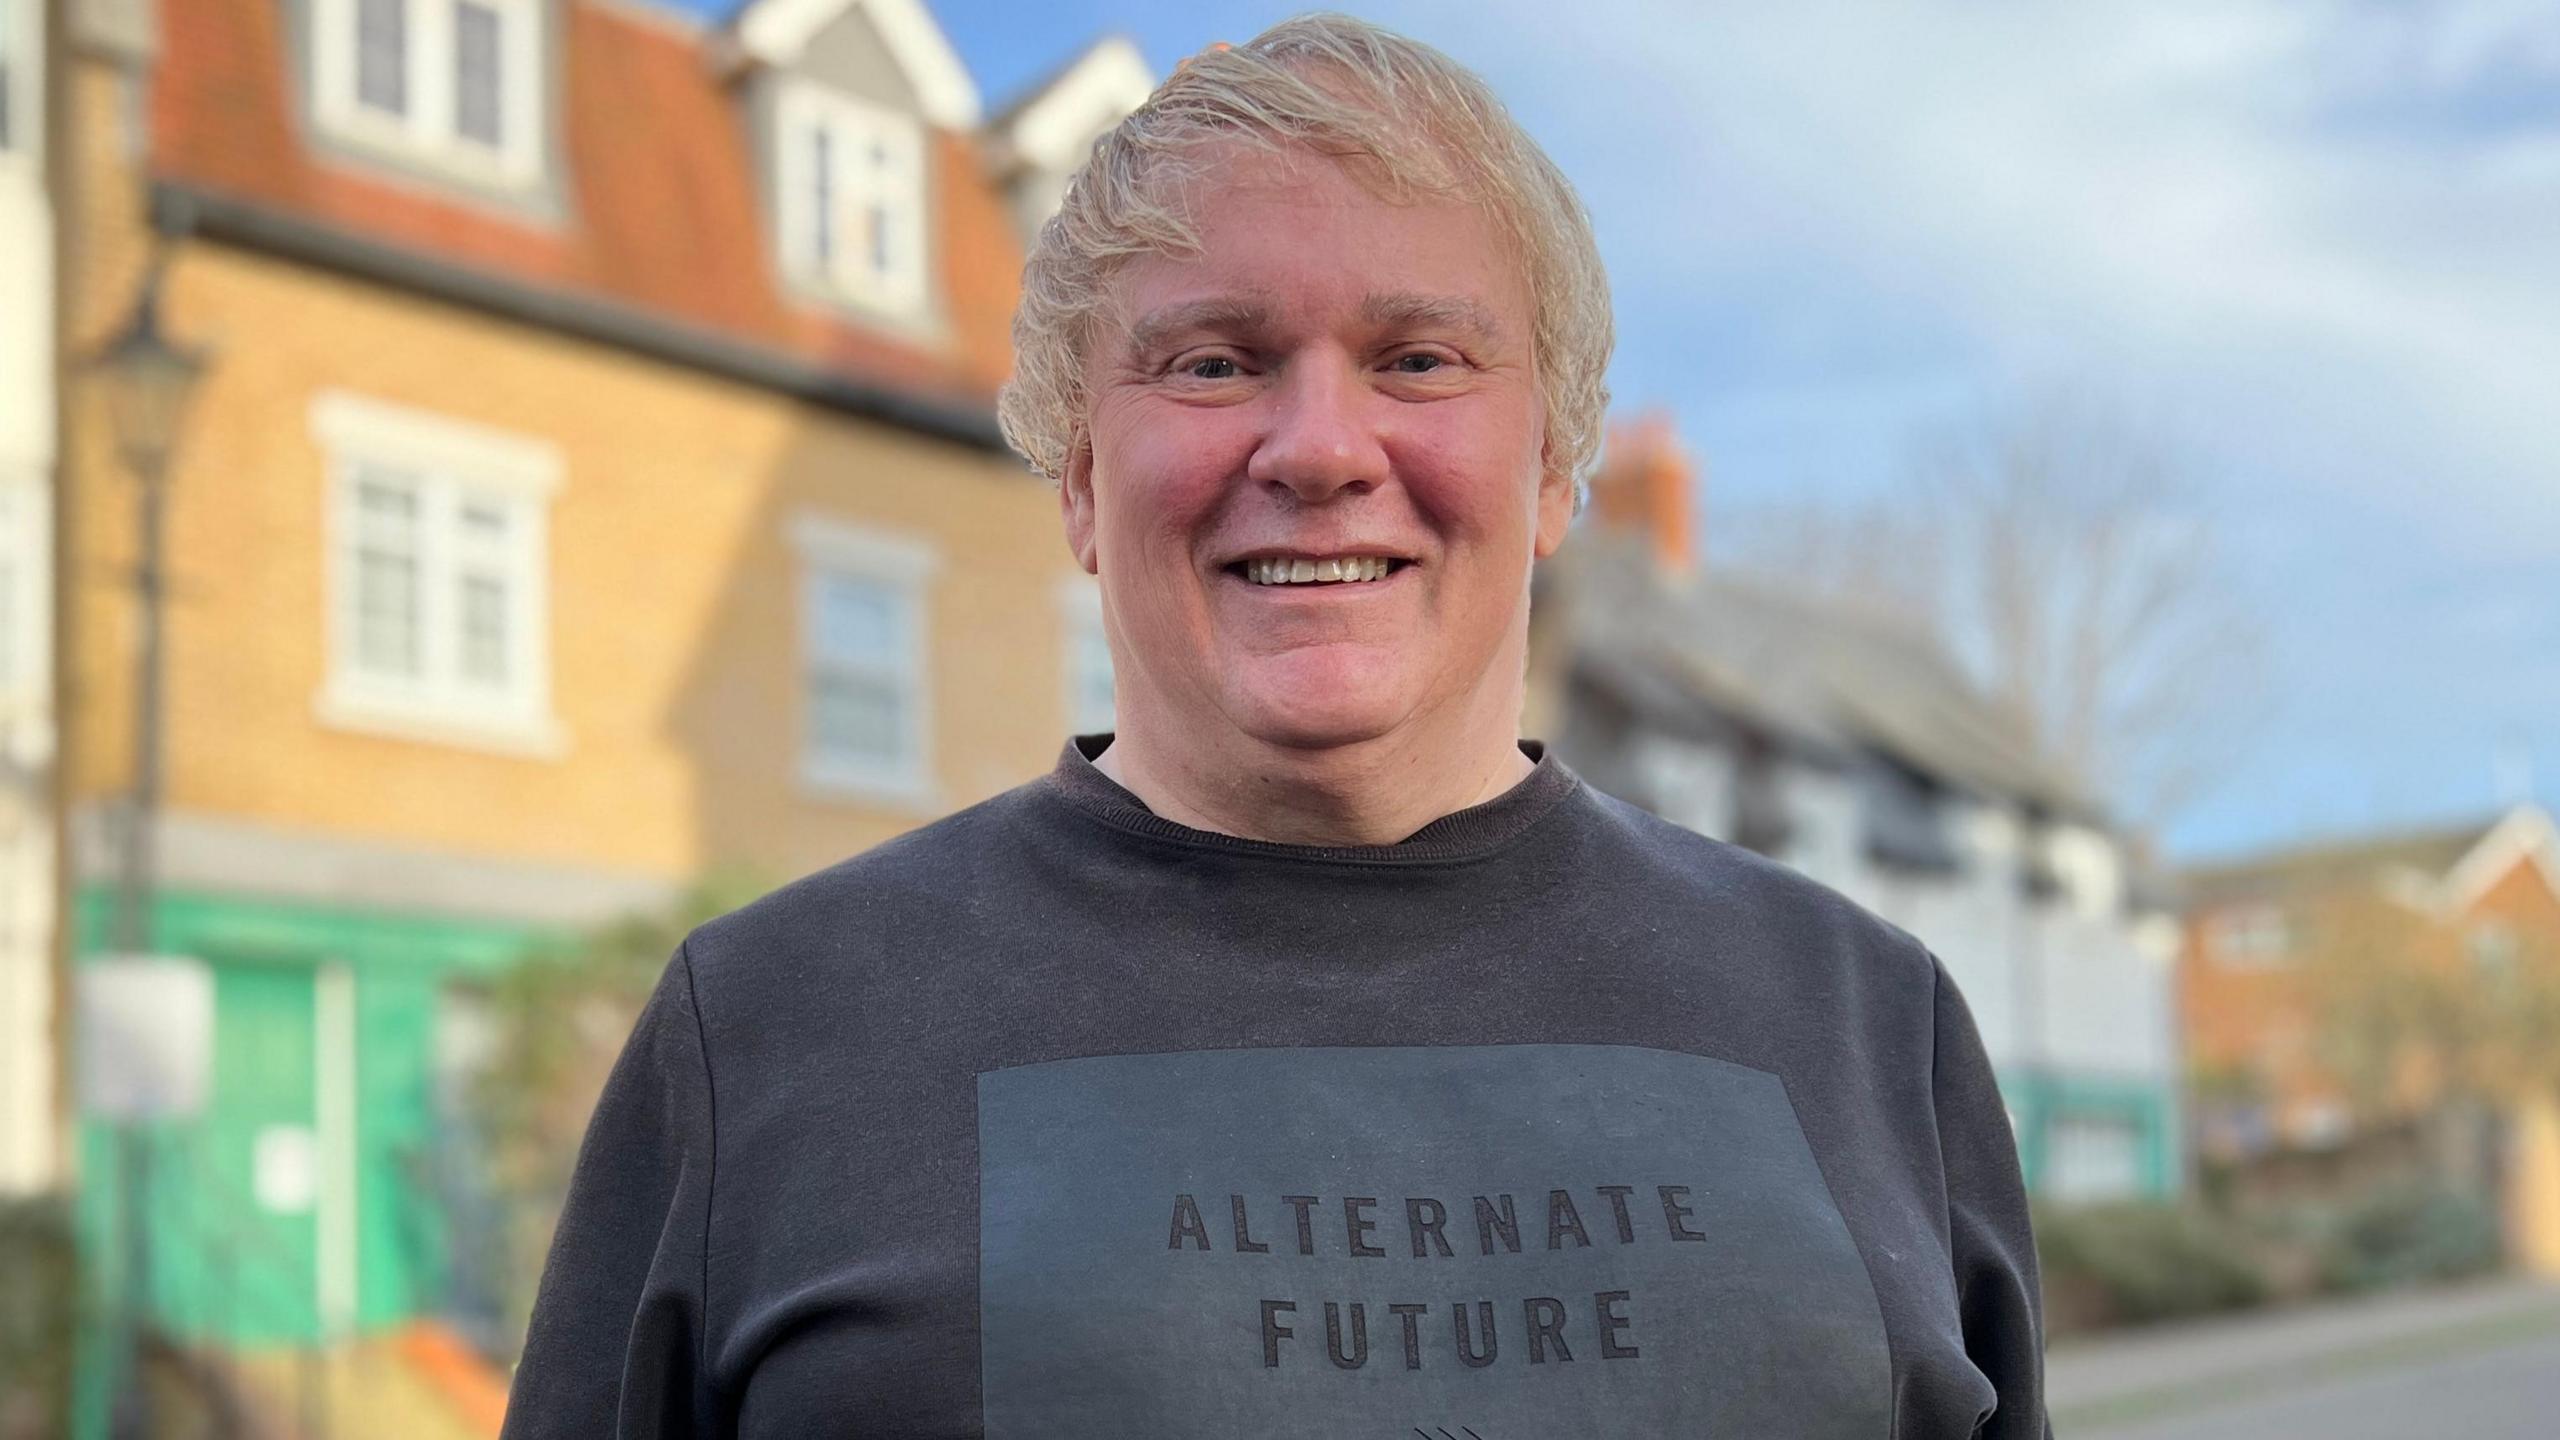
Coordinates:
(224, 1268)
(379, 942)
(2043, 1100)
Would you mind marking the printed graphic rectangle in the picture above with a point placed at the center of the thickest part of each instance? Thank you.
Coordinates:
(1498, 1241)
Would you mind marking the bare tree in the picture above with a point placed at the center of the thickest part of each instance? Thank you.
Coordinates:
(1888, 559)
(2065, 557)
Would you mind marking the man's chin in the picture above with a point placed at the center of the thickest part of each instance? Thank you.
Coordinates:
(1314, 725)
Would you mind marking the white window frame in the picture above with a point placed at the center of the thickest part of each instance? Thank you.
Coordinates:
(452, 462)
(800, 110)
(429, 132)
(2085, 861)
(2251, 936)
(22, 62)
(1080, 630)
(829, 548)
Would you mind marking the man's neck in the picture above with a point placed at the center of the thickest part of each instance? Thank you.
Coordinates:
(1376, 792)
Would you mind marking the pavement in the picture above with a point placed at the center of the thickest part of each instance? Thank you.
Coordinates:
(2479, 1361)
(380, 1387)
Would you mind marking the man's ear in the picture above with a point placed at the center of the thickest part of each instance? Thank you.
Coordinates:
(1557, 493)
(1075, 501)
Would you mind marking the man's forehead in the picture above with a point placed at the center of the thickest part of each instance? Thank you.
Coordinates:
(1254, 311)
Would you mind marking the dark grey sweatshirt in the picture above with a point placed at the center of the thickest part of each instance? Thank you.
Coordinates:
(1056, 1120)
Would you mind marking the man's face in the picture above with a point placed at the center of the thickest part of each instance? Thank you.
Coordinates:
(1337, 386)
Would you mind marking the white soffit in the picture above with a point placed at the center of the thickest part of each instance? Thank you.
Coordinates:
(2526, 832)
(1057, 127)
(777, 31)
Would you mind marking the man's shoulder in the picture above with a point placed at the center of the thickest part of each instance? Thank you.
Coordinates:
(937, 872)
(1744, 901)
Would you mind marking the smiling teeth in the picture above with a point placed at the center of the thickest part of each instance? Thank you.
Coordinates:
(1316, 572)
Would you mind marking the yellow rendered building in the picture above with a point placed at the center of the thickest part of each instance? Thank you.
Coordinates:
(594, 482)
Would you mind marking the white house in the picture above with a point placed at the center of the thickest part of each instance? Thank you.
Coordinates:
(1852, 748)
(28, 1148)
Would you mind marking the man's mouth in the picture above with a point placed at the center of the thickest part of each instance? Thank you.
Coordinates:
(1300, 570)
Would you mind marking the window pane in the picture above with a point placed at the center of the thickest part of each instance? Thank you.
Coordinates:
(883, 252)
(387, 513)
(879, 216)
(2096, 1158)
(382, 55)
(388, 495)
(386, 576)
(861, 718)
(822, 196)
(484, 630)
(386, 614)
(859, 622)
(482, 530)
(476, 74)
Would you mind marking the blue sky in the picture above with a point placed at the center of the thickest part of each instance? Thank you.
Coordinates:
(2318, 243)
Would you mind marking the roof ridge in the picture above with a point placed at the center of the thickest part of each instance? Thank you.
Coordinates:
(663, 222)
(1922, 705)
(2344, 847)
(1032, 91)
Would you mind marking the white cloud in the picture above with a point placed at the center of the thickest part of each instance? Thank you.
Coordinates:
(2282, 216)
(2321, 238)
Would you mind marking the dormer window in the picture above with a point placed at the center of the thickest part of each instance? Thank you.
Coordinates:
(851, 202)
(453, 84)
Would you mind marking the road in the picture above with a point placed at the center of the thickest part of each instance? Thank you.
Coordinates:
(2508, 1393)
(2481, 1362)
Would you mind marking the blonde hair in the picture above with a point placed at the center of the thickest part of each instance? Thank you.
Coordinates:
(1411, 121)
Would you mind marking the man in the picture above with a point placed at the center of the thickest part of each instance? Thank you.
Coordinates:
(1310, 1057)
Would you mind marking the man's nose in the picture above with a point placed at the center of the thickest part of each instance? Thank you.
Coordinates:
(1323, 437)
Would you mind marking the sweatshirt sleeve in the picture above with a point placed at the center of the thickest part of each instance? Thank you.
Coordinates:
(616, 1340)
(1993, 1247)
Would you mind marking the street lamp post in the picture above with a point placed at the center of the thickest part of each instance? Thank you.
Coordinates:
(149, 382)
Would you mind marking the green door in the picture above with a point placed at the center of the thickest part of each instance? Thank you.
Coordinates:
(401, 1238)
(247, 1251)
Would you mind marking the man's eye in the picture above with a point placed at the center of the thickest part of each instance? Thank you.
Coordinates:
(1418, 363)
(1211, 367)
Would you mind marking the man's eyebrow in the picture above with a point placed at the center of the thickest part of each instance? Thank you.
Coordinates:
(1225, 315)
(1446, 312)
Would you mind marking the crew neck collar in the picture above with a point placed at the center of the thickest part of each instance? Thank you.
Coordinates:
(1465, 834)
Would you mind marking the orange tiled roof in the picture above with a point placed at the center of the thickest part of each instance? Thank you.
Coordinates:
(659, 184)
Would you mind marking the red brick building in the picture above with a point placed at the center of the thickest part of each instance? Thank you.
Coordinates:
(2328, 990)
